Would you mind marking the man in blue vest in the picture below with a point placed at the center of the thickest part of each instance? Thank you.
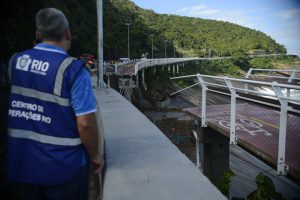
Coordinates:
(52, 130)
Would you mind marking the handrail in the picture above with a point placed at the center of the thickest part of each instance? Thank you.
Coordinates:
(240, 80)
(292, 75)
(246, 90)
(282, 168)
(279, 77)
(166, 61)
(160, 61)
(276, 70)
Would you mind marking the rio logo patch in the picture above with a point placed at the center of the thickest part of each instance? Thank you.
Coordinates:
(25, 63)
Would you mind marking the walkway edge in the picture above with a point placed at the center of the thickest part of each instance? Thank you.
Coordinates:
(141, 162)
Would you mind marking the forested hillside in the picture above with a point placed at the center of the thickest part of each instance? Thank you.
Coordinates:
(189, 36)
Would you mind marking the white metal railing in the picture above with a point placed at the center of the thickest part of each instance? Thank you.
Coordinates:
(198, 163)
(144, 63)
(278, 94)
(291, 72)
(160, 61)
(166, 61)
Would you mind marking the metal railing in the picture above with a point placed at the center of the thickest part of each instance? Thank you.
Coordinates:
(166, 61)
(160, 61)
(234, 86)
(289, 79)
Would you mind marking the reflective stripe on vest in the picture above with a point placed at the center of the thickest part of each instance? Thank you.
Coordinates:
(27, 92)
(24, 134)
(60, 75)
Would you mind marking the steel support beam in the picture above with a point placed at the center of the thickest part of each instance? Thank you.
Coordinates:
(233, 96)
(203, 101)
(282, 168)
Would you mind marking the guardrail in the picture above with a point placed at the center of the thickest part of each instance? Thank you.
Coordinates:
(166, 61)
(161, 61)
(231, 84)
(144, 63)
(291, 72)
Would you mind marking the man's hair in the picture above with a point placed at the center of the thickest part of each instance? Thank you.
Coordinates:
(51, 24)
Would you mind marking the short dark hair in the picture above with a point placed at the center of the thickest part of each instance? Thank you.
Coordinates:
(51, 23)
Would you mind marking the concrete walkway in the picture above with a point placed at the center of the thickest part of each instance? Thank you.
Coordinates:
(142, 164)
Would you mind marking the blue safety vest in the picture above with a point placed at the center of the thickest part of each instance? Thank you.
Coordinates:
(44, 146)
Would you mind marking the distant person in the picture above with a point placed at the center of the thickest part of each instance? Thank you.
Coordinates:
(52, 129)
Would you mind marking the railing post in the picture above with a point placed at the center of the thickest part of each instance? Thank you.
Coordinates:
(116, 68)
(248, 73)
(203, 101)
(282, 168)
(292, 76)
(288, 92)
(197, 150)
(108, 79)
(143, 77)
(233, 95)
(247, 76)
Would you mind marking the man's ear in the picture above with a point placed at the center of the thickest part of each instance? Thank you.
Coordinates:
(37, 37)
(68, 35)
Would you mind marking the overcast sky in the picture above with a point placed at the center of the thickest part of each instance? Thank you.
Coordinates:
(279, 19)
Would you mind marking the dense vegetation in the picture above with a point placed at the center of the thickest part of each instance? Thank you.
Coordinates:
(189, 36)
(18, 24)
(238, 65)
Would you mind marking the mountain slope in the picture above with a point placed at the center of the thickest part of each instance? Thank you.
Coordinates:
(189, 36)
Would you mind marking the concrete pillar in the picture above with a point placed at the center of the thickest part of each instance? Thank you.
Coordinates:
(127, 85)
(177, 68)
(174, 69)
(169, 70)
(108, 80)
(143, 77)
(116, 68)
(128, 93)
(137, 80)
(215, 154)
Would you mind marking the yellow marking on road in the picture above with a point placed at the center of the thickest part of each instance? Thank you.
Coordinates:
(263, 122)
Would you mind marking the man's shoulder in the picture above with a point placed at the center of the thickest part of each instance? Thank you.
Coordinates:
(37, 53)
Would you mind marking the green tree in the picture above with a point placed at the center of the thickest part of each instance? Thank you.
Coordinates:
(265, 189)
(224, 182)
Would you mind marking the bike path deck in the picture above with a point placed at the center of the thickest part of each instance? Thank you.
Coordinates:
(257, 129)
